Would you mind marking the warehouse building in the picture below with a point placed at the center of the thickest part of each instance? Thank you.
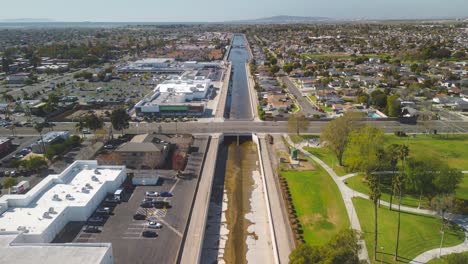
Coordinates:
(29, 222)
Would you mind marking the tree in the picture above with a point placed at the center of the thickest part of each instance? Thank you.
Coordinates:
(296, 123)
(8, 183)
(343, 248)
(93, 122)
(8, 98)
(393, 106)
(335, 134)
(39, 127)
(402, 153)
(392, 155)
(120, 119)
(80, 126)
(364, 154)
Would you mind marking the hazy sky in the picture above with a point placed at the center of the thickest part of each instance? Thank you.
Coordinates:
(224, 10)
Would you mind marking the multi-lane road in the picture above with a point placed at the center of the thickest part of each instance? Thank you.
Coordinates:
(257, 127)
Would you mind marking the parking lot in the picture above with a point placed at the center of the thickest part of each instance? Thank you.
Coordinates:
(125, 233)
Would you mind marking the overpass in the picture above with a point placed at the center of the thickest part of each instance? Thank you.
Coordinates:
(246, 126)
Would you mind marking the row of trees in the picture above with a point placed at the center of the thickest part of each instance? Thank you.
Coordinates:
(119, 118)
(361, 148)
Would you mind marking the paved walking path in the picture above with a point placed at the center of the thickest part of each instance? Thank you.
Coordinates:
(435, 253)
(347, 195)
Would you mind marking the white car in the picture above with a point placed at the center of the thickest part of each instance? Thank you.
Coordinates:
(154, 225)
(152, 194)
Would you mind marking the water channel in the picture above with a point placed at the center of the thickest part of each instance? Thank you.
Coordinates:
(237, 229)
(238, 105)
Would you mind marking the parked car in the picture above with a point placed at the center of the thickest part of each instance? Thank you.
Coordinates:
(104, 211)
(161, 204)
(111, 201)
(165, 194)
(96, 219)
(139, 217)
(154, 225)
(152, 194)
(146, 205)
(149, 233)
(85, 131)
(92, 229)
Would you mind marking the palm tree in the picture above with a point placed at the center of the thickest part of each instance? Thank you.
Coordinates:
(39, 127)
(7, 98)
(12, 129)
(80, 126)
(393, 155)
(403, 152)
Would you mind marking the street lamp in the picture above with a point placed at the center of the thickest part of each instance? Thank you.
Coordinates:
(381, 259)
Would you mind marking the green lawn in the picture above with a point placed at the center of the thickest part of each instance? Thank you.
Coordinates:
(329, 158)
(453, 257)
(454, 149)
(359, 184)
(318, 204)
(418, 234)
(462, 190)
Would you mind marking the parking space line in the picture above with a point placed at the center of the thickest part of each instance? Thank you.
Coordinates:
(170, 227)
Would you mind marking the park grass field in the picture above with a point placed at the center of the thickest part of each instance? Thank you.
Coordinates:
(319, 206)
(445, 259)
(418, 234)
(359, 184)
(329, 158)
(454, 149)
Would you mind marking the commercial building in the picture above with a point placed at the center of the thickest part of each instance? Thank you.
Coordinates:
(177, 97)
(48, 139)
(138, 154)
(18, 78)
(166, 65)
(5, 146)
(29, 222)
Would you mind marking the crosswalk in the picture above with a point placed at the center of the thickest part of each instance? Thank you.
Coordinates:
(152, 212)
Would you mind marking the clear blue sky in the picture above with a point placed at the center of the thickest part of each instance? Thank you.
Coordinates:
(226, 10)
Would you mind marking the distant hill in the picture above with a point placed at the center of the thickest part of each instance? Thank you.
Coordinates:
(26, 20)
(284, 20)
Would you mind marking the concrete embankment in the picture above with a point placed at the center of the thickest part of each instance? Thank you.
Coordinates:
(194, 236)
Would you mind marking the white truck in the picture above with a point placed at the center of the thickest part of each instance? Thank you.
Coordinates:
(21, 187)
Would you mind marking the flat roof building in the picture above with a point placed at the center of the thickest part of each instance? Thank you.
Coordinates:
(29, 222)
(176, 97)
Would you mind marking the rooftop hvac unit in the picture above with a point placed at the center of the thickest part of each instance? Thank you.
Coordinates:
(94, 178)
(46, 215)
(88, 186)
(96, 171)
(84, 190)
(69, 197)
(56, 197)
(52, 211)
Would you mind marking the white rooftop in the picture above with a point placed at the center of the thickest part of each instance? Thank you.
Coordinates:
(184, 86)
(58, 199)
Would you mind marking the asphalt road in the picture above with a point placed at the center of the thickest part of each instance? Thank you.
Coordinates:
(256, 127)
(307, 108)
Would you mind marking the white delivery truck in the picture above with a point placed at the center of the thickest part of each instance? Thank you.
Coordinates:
(118, 194)
(21, 187)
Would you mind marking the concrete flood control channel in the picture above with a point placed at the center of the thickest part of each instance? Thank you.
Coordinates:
(237, 228)
(238, 105)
